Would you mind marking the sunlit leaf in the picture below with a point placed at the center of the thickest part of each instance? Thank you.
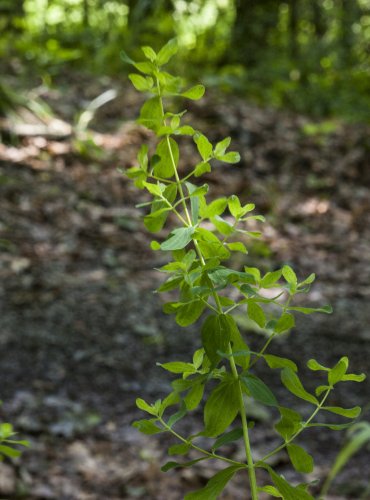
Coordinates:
(194, 93)
(167, 52)
(231, 157)
(222, 146)
(204, 146)
(149, 53)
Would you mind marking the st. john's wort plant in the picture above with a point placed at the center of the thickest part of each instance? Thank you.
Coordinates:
(221, 372)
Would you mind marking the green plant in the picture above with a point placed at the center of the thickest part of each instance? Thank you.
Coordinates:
(8, 445)
(223, 367)
(358, 437)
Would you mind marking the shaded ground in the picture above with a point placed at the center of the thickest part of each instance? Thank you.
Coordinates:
(81, 329)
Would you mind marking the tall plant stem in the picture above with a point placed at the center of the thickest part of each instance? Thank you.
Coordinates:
(242, 412)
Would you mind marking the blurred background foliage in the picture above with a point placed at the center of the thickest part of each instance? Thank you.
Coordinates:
(311, 56)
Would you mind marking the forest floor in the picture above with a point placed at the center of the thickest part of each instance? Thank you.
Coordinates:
(80, 328)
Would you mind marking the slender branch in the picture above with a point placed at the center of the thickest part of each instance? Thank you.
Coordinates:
(198, 448)
(303, 427)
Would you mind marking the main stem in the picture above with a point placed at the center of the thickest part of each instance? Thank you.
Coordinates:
(243, 415)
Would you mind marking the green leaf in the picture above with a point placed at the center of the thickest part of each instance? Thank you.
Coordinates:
(194, 93)
(215, 485)
(235, 207)
(143, 405)
(287, 491)
(167, 52)
(353, 377)
(198, 357)
(321, 388)
(178, 239)
(215, 336)
(142, 157)
(270, 279)
(149, 53)
(145, 67)
(333, 427)
(203, 145)
(194, 396)
(179, 449)
(170, 85)
(215, 208)
(171, 283)
(174, 465)
(253, 271)
(289, 423)
(221, 408)
(147, 427)
(154, 189)
(189, 312)
(155, 220)
(222, 226)
(313, 365)
(279, 362)
(202, 168)
(258, 389)
(210, 246)
(310, 310)
(222, 146)
(311, 278)
(167, 158)
(141, 83)
(291, 381)
(289, 275)
(227, 438)
(344, 412)
(237, 246)
(256, 314)
(6, 430)
(178, 415)
(231, 157)
(126, 58)
(185, 130)
(172, 399)
(335, 375)
(301, 460)
(284, 323)
(177, 367)
(271, 490)
(151, 114)
(8, 451)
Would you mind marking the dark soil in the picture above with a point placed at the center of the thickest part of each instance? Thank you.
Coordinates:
(81, 330)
